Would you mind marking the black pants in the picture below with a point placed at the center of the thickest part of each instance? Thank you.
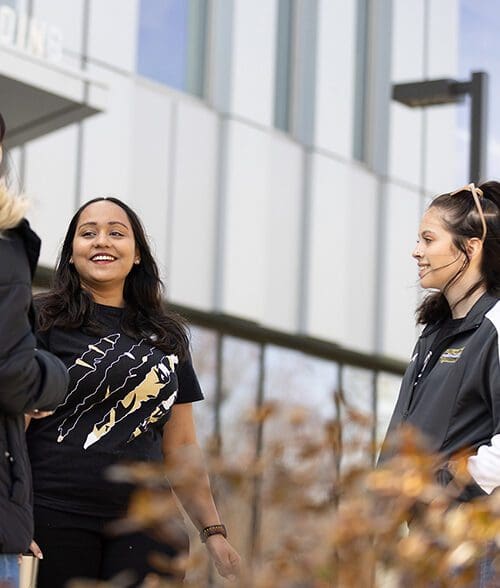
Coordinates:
(75, 546)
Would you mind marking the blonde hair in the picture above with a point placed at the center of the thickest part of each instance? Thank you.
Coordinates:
(12, 207)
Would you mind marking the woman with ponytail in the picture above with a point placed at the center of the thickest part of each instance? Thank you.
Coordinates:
(451, 389)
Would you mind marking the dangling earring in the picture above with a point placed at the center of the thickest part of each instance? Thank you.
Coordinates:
(71, 259)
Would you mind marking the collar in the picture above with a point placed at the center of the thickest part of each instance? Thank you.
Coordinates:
(472, 319)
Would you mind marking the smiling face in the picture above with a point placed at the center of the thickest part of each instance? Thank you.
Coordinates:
(437, 257)
(104, 249)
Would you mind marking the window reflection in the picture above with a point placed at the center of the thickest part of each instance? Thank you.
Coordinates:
(387, 388)
(307, 421)
(284, 64)
(171, 43)
(358, 419)
(16, 4)
(204, 356)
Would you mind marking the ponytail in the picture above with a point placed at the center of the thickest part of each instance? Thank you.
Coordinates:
(490, 262)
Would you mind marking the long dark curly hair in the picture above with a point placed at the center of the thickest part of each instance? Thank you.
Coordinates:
(67, 305)
(461, 218)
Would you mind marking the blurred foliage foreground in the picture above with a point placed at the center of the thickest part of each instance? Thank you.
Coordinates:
(326, 518)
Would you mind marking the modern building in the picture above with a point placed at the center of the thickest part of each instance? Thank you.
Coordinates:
(258, 141)
(277, 180)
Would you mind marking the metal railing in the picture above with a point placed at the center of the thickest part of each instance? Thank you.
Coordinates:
(226, 326)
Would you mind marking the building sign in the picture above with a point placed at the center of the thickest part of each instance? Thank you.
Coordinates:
(28, 34)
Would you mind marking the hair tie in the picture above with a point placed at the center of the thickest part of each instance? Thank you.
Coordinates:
(477, 193)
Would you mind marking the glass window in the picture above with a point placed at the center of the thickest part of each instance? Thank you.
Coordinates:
(171, 44)
(20, 6)
(284, 64)
(360, 81)
(295, 79)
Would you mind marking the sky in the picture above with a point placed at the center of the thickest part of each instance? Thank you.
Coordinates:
(479, 50)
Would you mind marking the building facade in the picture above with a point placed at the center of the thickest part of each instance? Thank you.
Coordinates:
(278, 181)
(276, 178)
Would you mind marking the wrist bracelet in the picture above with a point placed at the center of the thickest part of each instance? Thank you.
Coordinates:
(213, 530)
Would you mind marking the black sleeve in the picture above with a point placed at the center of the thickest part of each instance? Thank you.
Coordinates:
(484, 465)
(54, 383)
(189, 386)
(42, 340)
(28, 378)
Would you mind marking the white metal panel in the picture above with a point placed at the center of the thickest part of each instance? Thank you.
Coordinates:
(108, 140)
(246, 247)
(405, 146)
(283, 238)
(441, 132)
(408, 40)
(335, 76)
(193, 221)
(342, 254)
(253, 63)
(443, 29)
(441, 149)
(113, 32)
(50, 183)
(400, 279)
(150, 171)
(67, 16)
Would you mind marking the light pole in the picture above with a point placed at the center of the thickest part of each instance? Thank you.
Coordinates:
(448, 91)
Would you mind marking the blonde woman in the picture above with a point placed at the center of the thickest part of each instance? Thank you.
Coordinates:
(31, 381)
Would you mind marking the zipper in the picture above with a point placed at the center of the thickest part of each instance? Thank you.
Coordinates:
(434, 354)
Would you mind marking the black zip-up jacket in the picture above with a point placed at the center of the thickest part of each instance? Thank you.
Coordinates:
(29, 379)
(451, 393)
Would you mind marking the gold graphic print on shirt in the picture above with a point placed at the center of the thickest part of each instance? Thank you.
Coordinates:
(87, 367)
(149, 388)
(110, 382)
(159, 412)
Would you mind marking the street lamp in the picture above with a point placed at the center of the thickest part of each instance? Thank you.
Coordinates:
(447, 91)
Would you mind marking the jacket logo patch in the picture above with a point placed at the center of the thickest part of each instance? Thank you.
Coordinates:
(451, 355)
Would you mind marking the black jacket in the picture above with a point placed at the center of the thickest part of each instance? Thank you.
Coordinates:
(451, 389)
(29, 379)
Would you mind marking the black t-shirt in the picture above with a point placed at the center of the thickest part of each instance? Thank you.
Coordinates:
(119, 398)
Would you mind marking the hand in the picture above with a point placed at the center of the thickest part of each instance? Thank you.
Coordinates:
(39, 414)
(226, 559)
(35, 550)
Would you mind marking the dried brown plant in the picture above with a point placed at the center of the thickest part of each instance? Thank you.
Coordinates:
(301, 521)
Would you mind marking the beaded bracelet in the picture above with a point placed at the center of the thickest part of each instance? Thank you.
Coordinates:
(212, 530)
